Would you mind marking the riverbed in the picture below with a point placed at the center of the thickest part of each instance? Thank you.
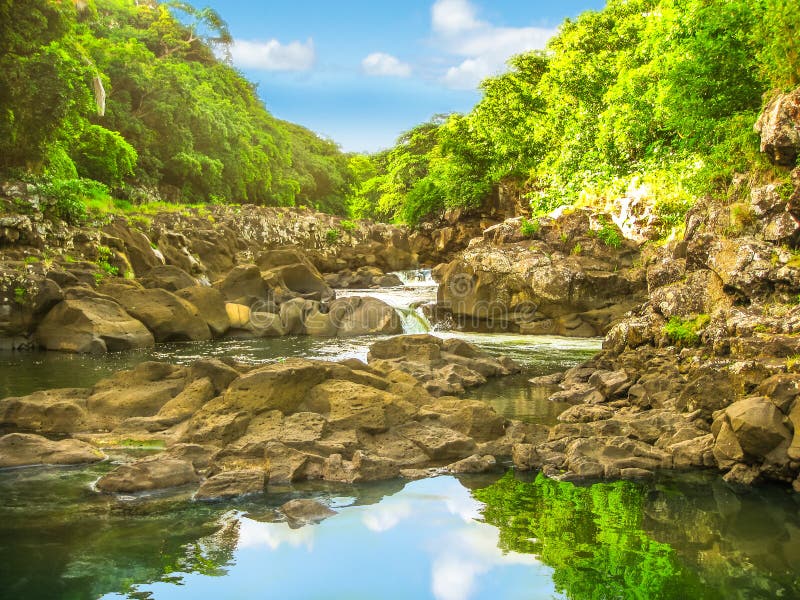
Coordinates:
(499, 535)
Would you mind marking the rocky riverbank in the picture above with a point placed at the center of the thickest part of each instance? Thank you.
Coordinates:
(232, 429)
(705, 373)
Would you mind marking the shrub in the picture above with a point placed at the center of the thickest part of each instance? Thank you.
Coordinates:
(348, 225)
(609, 234)
(332, 236)
(529, 228)
(686, 332)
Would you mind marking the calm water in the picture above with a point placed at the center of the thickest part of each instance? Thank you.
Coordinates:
(498, 536)
(494, 537)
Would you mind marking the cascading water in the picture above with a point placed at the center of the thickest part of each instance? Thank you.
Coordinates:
(418, 289)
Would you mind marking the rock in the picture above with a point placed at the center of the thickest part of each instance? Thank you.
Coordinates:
(348, 405)
(758, 425)
(170, 318)
(243, 285)
(306, 511)
(188, 401)
(472, 464)
(238, 316)
(167, 277)
(140, 392)
(218, 373)
(282, 386)
(779, 126)
(47, 411)
(586, 413)
(300, 278)
(439, 443)
(18, 450)
(153, 473)
(286, 464)
(473, 418)
(610, 383)
(95, 325)
(363, 467)
(361, 316)
(210, 305)
(232, 484)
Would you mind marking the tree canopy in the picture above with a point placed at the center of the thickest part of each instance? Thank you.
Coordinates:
(178, 119)
(660, 90)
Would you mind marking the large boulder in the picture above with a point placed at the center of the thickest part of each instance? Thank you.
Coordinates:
(289, 272)
(363, 316)
(243, 285)
(167, 277)
(210, 304)
(282, 386)
(759, 426)
(47, 411)
(779, 126)
(92, 325)
(18, 450)
(170, 318)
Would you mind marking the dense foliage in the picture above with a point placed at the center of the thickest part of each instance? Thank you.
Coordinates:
(177, 118)
(655, 93)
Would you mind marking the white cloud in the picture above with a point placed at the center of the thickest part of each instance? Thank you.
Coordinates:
(273, 55)
(385, 65)
(384, 517)
(451, 17)
(483, 47)
(253, 534)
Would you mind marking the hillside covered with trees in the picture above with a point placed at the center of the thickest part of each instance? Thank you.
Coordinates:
(138, 97)
(661, 95)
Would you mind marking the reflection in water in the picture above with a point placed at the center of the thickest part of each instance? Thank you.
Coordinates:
(674, 539)
(442, 538)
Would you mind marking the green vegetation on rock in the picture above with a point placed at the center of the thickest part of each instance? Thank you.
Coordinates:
(686, 332)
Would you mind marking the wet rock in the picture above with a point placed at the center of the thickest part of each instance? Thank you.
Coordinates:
(232, 484)
(18, 450)
(154, 473)
(92, 325)
(306, 511)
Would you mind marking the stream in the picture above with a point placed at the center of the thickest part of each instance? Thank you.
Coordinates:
(501, 535)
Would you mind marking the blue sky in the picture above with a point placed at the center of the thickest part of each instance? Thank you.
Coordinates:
(363, 71)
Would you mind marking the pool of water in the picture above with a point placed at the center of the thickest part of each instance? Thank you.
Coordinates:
(492, 536)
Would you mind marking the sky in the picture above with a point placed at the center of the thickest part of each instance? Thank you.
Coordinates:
(363, 71)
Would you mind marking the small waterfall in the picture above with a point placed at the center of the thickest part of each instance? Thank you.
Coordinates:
(416, 278)
(413, 320)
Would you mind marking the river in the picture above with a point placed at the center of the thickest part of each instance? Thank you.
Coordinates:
(500, 535)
